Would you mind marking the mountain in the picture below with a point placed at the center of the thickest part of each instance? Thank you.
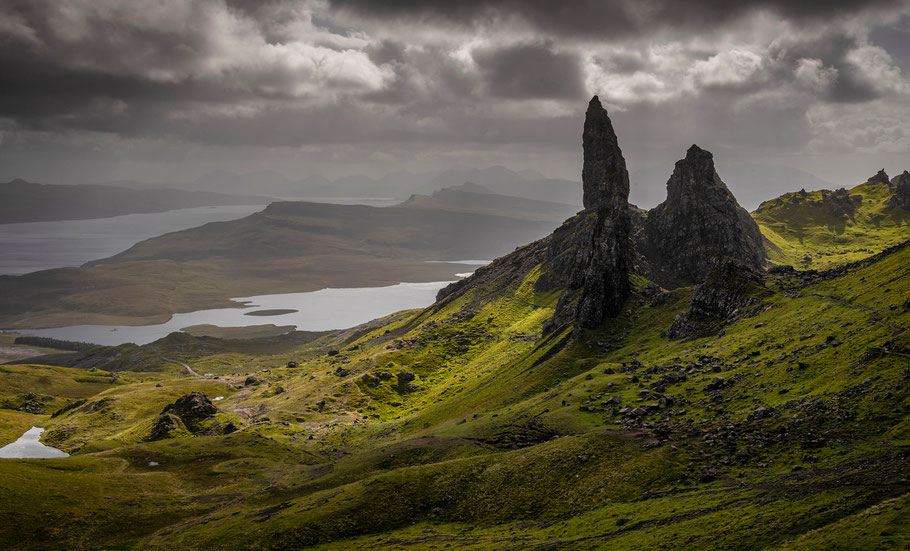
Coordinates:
(22, 201)
(558, 398)
(288, 247)
(471, 198)
(819, 229)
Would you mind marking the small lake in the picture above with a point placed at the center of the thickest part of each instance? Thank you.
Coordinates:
(314, 311)
(28, 447)
(32, 246)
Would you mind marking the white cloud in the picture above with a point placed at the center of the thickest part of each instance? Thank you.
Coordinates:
(727, 68)
(812, 75)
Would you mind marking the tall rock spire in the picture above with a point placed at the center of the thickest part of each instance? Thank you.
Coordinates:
(590, 255)
(604, 176)
(698, 222)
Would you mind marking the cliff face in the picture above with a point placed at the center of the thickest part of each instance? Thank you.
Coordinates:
(591, 254)
(699, 222)
(900, 186)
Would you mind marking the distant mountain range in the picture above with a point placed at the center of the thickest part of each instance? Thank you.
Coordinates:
(22, 201)
(498, 179)
(290, 246)
(752, 182)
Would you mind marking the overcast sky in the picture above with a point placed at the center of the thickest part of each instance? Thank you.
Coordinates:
(96, 90)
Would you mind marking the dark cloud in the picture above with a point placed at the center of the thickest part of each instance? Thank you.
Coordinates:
(531, 71)
(604, 19)
(505, 77)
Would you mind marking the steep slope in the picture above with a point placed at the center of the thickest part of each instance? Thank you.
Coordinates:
(820, 229)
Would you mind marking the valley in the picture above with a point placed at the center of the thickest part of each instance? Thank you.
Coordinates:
(633, 380)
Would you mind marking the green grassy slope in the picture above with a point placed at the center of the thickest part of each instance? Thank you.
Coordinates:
(510, 441)
(803, 230)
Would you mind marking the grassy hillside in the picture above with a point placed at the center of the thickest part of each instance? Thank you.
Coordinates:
(817, 230)
(787, 430)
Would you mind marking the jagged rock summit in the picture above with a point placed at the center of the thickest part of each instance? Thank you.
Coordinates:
(699, 222)
(881, 177)
(604, 177)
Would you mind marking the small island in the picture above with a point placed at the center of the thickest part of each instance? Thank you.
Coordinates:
(272, 312)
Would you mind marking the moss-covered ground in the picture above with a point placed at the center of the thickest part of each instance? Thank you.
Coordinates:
(787, 430)
(802, 230)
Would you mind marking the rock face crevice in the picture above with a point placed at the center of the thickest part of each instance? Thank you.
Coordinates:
(591, 254)
(699, 222)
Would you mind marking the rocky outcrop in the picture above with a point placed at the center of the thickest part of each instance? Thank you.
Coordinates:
(192, 412)
(729, 292)
(881, 177)
(699, 222)
(900, 188)
(840, 203)
(590, 255)
(195, 405)
(164, 427)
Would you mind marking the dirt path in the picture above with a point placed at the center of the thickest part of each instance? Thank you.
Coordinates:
(188, 368)
(877, 318)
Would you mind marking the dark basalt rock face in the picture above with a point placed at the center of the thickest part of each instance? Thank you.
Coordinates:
(900, 186)
(590, 255)
(698, 222)
(728, 293)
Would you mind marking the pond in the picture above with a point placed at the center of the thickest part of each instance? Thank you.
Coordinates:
(28, 447)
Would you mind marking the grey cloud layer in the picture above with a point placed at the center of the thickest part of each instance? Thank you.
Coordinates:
(750, 75)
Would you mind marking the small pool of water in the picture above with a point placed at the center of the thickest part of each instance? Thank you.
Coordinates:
(28, 447)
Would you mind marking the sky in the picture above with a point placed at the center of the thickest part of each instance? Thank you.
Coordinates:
(167, 90)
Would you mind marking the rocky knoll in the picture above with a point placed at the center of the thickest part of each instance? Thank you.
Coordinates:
(190, 411)
(900, 186)
(590, 255)
(698, 222)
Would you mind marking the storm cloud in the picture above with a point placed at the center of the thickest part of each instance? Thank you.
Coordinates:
(175, 87)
